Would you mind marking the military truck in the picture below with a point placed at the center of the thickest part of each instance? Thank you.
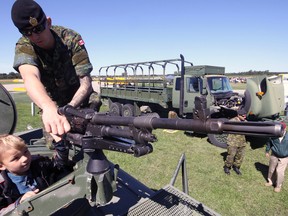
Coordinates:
(197, 92)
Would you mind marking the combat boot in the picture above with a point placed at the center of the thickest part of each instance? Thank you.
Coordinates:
(227, 170)
(236, 169)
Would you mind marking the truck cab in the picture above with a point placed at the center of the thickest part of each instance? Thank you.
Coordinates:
(208, 81)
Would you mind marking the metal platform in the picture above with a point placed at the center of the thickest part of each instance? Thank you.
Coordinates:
(170, 201)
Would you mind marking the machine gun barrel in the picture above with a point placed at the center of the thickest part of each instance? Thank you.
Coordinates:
(216, 126)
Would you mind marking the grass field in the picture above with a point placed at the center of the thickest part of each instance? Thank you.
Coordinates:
(24, 114)
(227, 195)
(238, 86)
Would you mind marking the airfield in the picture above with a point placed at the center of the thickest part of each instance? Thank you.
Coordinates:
(19, 86)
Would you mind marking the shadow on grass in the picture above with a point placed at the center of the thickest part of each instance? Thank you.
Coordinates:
(224, 155)
(257, 142)
(194, 134)
(262, 168)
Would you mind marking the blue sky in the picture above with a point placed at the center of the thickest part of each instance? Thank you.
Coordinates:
(240, 35)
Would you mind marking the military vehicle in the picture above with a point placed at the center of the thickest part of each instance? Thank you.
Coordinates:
(130, 87)
(99, 187)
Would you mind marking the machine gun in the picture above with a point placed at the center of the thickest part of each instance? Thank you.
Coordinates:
(133, 135)
(94, 131)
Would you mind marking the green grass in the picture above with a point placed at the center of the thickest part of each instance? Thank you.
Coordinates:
(24, 114)
(7, 81)
(227, 195)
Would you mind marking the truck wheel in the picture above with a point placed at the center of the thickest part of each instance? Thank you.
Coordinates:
(219, 140)
(128, 110)
(115, 109)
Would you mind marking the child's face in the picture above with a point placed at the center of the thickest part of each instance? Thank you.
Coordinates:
(16, 161)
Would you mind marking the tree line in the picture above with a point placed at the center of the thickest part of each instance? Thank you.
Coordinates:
(11, 75)
(257, 73)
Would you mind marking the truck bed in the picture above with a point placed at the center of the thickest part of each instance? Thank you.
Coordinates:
(156, 95)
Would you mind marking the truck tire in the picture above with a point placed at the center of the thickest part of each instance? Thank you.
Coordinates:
(115, 109)
(128, 110)
(219, 140)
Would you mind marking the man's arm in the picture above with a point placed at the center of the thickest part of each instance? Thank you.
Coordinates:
(53, 122)
(83, 92)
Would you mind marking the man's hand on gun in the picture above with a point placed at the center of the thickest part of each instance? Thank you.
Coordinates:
(54, 123)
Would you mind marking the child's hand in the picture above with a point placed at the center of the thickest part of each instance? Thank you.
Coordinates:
(267, 155)
(28, 194)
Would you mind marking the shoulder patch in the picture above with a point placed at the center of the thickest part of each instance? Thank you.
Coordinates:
(81, 42)
(25, 49)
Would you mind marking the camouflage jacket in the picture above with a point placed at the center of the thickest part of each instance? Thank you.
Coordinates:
(236, 139)
(61, 67)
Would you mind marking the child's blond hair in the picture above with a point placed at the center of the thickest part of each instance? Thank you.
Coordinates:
(8, 141)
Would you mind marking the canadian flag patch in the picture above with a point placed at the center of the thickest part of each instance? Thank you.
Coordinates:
(81, 42)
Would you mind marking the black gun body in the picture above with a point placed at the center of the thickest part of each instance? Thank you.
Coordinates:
(92, 130)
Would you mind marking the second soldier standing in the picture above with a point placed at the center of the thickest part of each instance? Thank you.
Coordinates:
(236, 145)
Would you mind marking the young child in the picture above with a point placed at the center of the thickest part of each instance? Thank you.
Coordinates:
(23, 175)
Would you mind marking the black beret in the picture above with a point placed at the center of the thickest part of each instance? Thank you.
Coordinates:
(27, 13)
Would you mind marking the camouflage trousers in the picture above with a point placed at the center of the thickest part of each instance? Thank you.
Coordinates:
(235, 156)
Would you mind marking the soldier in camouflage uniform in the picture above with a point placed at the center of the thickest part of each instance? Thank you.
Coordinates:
(53, 63)
(236, 145)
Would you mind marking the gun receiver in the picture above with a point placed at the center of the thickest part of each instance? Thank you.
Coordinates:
(102, 131)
